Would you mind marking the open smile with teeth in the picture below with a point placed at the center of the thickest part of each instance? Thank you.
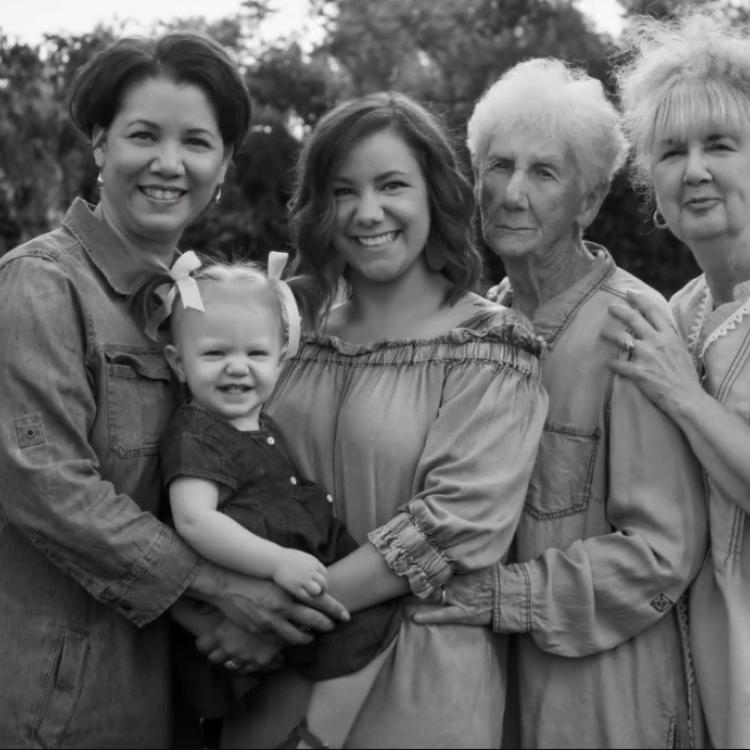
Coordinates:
(234, 388)
(378, 240)
(165, 195)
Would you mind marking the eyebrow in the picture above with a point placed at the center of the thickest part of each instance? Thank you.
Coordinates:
(156, 126)
(383, 176)
(552, 161)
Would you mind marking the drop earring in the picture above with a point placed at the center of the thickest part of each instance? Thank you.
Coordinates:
(659, 221)
(99, 179)
(217, 195)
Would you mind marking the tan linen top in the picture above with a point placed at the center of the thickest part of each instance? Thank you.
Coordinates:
(427, 447)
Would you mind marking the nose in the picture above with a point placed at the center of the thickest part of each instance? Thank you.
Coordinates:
(237, 365)
(696, 167)
(369, 209)
(514, 195)
(168, 159)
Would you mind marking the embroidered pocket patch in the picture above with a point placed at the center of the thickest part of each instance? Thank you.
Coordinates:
(661, 603)
(29, 431)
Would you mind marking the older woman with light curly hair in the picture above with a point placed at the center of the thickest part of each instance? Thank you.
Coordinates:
(686, 100)
(614, 527)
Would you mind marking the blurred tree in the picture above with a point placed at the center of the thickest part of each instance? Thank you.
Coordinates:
(443, 52)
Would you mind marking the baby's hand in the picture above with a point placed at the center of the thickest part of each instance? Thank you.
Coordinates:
(302, 575)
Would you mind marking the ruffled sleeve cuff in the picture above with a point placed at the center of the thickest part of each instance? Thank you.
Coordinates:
(408, 553)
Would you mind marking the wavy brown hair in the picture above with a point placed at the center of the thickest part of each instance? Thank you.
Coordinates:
(313, 208)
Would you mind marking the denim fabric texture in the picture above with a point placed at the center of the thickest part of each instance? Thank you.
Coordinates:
(270, 499)
(86, 568)
(613, 531)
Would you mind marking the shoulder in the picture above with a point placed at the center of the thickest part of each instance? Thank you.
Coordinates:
(621, 282)
(503, 324)
(45, 248)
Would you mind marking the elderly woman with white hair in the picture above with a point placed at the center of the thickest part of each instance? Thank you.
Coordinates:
(686, 100)
(614, 527)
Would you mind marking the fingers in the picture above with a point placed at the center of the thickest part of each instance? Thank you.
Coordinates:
(623, 340)
(290, 633)
(331, 607)
(631, 319)
(650, 309)
(312, 588)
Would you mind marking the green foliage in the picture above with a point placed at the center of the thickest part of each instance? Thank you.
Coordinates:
(443, 52)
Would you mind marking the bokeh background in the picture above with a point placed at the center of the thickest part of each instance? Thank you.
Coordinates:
(444, 52)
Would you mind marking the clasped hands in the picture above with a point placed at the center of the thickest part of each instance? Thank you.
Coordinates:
(257, 618)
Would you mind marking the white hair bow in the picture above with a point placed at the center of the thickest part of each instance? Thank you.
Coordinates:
(182, 283)
(276, 263)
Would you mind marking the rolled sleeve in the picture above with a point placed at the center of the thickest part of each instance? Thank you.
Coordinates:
(603, 590)
(51, 488)
(471, 478)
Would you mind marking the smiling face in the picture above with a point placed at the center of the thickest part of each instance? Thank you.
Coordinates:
(702, 184)
(229, 356)
(382, 209)
(161, 160)
(530, 195)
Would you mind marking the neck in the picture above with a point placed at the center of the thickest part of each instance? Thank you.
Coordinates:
(161, 250)
(538, 278)
(724, 264)
(417, 289)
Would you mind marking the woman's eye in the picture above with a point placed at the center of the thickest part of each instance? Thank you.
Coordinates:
(393, 185)
(340, 192)
(201, 142)
(143, 135)
(545, 173)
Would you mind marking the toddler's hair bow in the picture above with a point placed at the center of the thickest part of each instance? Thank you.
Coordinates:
(276, 263)
(182, 283)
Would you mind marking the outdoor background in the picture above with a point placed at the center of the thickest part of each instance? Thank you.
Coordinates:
(444, 52)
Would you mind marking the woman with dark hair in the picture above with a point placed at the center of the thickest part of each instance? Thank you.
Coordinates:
(417, 404)
(87, 569)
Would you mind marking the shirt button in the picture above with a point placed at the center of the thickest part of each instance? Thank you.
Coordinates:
(329, 498)
(270, 440)
(293, 480)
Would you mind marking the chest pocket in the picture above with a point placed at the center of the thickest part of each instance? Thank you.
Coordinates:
(139, 399)
(561, 481)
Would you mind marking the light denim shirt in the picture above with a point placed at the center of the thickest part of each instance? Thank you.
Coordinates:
(614, 529)
(86, 569)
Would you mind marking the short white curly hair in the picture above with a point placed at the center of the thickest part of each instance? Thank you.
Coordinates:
(552, 97)
(684, 76)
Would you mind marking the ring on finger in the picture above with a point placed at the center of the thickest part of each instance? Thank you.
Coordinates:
(443, 598)
(231, 664)
(628, 345)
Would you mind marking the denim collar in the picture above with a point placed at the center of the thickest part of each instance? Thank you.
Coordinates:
(124, 269)
(553, 317)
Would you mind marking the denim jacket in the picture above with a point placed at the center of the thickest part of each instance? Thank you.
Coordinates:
(86, 569)
(613, 531)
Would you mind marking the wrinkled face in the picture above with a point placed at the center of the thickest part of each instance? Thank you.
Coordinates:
(161, 160)
(529, 194)
(382, 208)
(702, 183)
(229, 356)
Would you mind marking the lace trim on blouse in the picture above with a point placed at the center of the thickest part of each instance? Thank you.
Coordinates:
(722, 330)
